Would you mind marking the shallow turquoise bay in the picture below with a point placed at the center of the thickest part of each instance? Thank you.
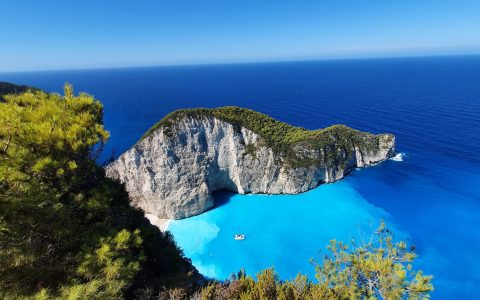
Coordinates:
(283, 231)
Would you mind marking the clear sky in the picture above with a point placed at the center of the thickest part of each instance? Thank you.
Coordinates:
(59, 34)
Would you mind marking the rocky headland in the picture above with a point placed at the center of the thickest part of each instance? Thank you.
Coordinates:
(173, 170)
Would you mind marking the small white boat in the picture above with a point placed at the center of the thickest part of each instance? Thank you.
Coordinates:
(239, 237)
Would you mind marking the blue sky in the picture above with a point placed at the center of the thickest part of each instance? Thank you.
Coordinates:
(38, 35)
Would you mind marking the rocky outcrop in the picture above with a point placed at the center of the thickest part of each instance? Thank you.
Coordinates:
(172, 172)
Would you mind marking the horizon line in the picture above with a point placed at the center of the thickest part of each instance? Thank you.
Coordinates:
(286, 60)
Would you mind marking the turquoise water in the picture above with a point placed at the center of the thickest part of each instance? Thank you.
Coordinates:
(432, 197)
(281, 231)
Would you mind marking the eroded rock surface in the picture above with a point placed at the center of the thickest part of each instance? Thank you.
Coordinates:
(173, 171)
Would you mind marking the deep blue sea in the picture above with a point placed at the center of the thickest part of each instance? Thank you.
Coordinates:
(431, 196)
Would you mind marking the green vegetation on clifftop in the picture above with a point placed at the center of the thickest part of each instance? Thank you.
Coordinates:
(282, 137)
(67, 231)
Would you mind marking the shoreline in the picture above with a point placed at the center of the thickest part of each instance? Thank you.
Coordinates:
(162, 224)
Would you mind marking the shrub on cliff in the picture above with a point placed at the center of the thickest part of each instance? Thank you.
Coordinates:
(281, 137)
(65, 229)
(376, 269)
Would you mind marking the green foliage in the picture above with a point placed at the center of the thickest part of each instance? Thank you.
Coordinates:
(66, 231)
(281, 137)
(48, 138)
(47, 143)
(376, 269)
(116, 258)
(250, 149)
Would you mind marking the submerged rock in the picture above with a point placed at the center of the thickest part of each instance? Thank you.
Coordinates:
(173, 170)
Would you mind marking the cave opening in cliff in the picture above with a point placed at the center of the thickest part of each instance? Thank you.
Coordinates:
(222, 197)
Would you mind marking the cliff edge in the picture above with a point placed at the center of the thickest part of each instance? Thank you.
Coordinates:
(173, 170)
(7, 88)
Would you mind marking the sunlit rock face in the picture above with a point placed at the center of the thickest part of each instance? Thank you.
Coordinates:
(172, 173)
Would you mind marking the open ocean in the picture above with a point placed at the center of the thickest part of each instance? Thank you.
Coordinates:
(429, 195)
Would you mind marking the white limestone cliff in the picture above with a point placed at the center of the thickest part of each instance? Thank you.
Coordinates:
(172, 174)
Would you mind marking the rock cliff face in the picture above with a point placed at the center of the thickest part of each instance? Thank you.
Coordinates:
(173, 171)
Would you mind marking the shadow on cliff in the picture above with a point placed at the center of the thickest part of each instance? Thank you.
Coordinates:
(222, 197)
